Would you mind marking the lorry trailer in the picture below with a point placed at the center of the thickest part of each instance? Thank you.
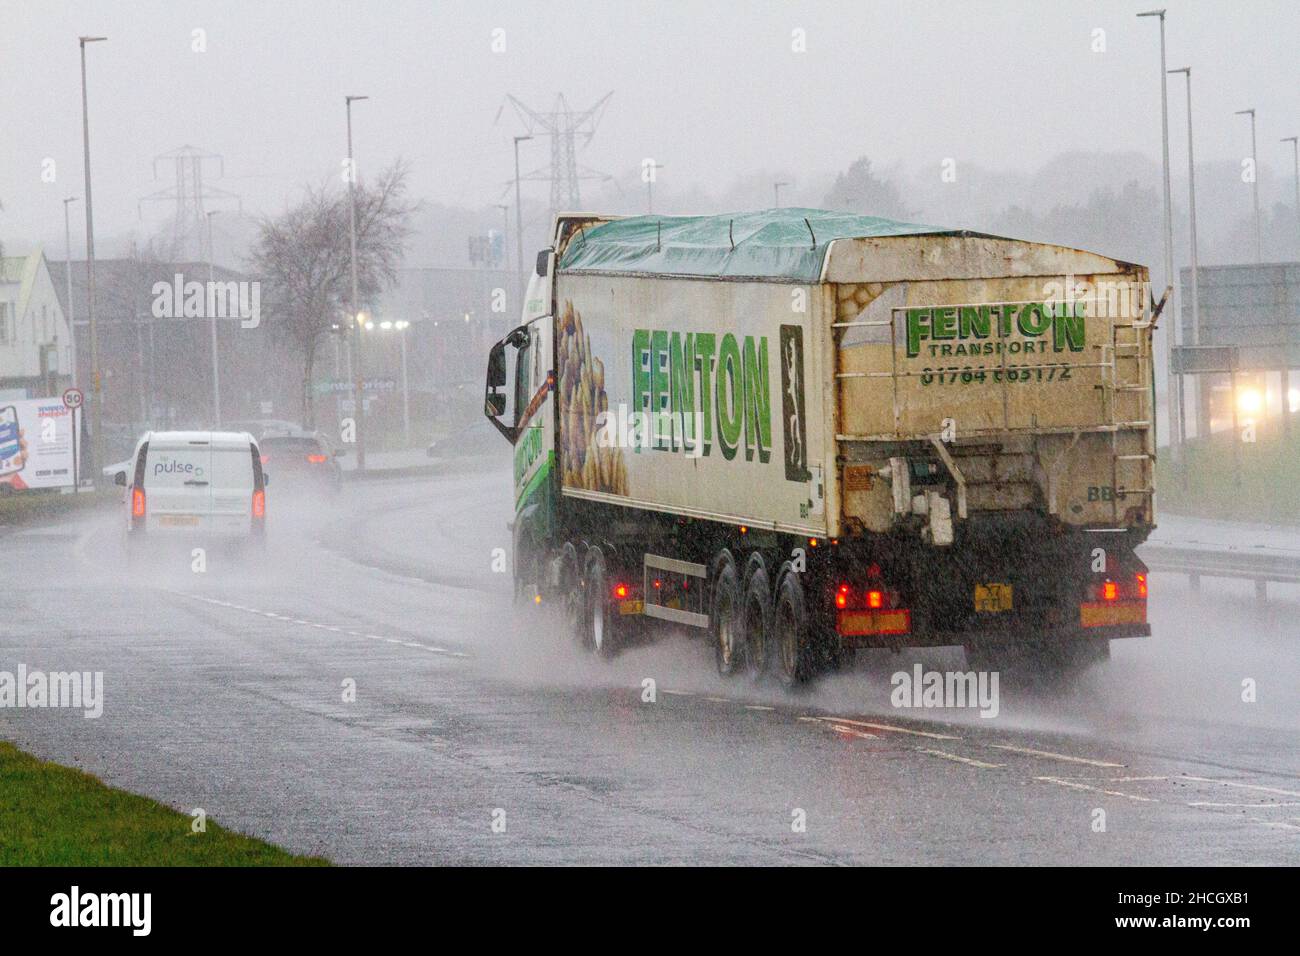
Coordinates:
(797, 433)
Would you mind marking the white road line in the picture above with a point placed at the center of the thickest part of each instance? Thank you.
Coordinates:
(1047, 754)
(1243, 786)
(1281, 825)
(841, 729)
(679, 693)
(720, 700)
(1075, 785)
(959, 759)
(890, 727)
(758, 707)
(1248, 806)
(324, 627)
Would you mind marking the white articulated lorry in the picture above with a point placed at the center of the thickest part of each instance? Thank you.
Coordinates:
(803, 432)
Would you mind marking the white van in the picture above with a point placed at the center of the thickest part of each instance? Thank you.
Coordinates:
(198, 484)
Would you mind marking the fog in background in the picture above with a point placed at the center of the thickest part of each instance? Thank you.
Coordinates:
(1052, 127)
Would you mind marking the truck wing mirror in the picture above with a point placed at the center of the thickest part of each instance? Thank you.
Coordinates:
(495, 404)
(496, 371)
(544, 261)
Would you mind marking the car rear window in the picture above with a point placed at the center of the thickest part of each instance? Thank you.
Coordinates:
(172, 466)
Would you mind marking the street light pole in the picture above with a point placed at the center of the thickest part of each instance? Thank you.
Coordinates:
(72, 309)
(776, 193)
(216, 380)
(402, 325)
(358, 387)
(1286, 372)
(1174, 383)
(1196, 279)
(1254, 184)
(96, 380)
(519, 217)
(505, 233)
(651, 168)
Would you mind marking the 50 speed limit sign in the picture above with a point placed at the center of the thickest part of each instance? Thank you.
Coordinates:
(73, 397)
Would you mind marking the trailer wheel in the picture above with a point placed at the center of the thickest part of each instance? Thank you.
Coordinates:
(725, 622)
(790, 630)
(757, 619)
(599, 630)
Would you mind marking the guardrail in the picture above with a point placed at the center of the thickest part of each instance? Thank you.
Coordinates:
(1197, 563)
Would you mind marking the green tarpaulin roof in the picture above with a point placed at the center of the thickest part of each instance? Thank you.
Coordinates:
(771, 243)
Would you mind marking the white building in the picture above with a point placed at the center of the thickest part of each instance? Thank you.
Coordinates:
(35, 341)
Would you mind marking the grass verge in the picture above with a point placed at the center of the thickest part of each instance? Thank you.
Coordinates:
(1205, 482)
(56, 816)
(27, 506)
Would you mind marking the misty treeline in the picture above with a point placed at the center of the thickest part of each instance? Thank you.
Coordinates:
(303, 256)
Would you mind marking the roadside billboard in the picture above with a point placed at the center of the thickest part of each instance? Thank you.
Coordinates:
(36, 444)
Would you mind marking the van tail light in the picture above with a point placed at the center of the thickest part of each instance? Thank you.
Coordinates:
(137, 503)
(265, 459)
(1141, 580)
(259, 503)
(317, 459)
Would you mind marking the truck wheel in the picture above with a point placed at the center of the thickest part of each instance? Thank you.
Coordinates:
(757, 620)
(792, 644)
(725, 623)
(599, 631)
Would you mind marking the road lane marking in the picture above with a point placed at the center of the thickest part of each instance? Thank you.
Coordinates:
(890, 727)
(1244, 786)
(1075, 785)
(758, 707)
(1047, 754)
(1248, 806)
(959, 759)
(316, 624)
(841, 729)
(720, 700)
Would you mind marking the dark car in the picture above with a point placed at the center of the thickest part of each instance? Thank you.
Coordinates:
(302, 460)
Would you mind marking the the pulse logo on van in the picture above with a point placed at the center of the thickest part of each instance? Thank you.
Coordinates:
(170, 466)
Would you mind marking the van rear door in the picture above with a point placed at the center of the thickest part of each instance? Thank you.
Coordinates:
(177, 484)
(232, 487)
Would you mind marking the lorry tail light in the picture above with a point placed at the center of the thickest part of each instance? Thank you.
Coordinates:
(259, 503)
(620, 591)
(137, 503)
(875, 600)
(1141, 580)
(265, 459)
(842, 597)
(1109, 591)
(317, 459)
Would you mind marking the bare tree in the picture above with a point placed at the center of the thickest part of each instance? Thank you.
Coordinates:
(303, 257)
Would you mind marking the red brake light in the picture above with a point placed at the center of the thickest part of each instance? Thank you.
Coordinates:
(317, 459)
(875, 599)
(842, 596)
(1110, 591)
(265, 459)
(620, 591)
(259, 503)
(1141, 586)
(137, 503)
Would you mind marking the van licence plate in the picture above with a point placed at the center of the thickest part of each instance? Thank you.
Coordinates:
(181, 521)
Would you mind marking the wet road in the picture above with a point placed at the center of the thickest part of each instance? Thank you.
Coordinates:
(226, 690)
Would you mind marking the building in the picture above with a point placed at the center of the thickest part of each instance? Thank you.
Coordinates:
(35, 338)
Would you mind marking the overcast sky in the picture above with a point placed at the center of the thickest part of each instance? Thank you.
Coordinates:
(712, 91)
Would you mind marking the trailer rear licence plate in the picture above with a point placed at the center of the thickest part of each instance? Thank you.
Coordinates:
(185, 521)
(993, 598)
(636, 606)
